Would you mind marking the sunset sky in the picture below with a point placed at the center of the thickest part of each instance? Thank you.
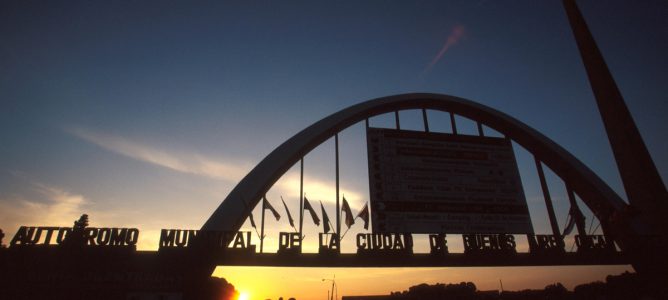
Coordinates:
(147, 113)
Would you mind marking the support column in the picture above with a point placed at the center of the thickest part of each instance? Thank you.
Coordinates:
(579, 221)
(424, 119)
(301, 200)
(338, 208)
(264, 199)
(396, 119)
(643, 184)
(642, 229)
(548, 200)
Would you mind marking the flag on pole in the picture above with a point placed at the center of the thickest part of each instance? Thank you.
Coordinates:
(250, 215)
(292, 222)
(569, 226)
(364, 215)
(314, 216)
(325, 219)
(574, 215)
(251, 219)
(349, 214)
(272, 209)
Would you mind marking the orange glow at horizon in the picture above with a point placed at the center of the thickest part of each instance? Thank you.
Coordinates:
(260, 283)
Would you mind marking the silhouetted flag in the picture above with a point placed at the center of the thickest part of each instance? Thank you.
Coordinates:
(325, 219)
(292, 222)
(273, 211)
(250, 215)
(349, 214)
(307, 206)
(573, 216)
(364, 215)
(251, 219)
(569, 225)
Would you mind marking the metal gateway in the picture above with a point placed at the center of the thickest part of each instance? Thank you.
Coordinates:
(394, 249)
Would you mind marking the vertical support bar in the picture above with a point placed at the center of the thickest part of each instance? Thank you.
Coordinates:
(396, 119)
(366, 123)
(424, 119)
(301, 199)
(480, 132)
(367, 155)
(605, 230)
(548, 199)
(264, 199)
(338, 209)
(452, 123)
(576, 212)
(642, 182)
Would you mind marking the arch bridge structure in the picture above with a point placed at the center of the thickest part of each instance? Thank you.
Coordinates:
(578, 178)
(633, 232)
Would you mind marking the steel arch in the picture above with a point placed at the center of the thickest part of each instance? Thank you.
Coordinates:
(238, 204)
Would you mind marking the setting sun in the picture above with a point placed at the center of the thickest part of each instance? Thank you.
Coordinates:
(243, 296)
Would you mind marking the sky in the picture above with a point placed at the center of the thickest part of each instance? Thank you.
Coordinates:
(147, 113)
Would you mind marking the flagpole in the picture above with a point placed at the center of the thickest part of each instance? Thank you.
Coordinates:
(366, 124)
(301, 198)
(338, 208)
(579, 222)
(258, 234)
(291, 221)
(264, 199)
(251, 216)
(369, 217)
(344, 234)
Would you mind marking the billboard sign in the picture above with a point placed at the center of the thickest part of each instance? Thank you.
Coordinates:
(423, 182)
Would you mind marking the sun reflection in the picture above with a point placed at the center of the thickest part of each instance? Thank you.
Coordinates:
(243, 296)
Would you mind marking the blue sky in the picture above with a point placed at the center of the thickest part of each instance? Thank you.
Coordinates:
(146, 113)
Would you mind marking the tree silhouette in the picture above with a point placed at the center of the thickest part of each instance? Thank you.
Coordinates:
(77, 238)
(82, 223)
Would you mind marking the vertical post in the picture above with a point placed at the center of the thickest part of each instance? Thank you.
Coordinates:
(264, 199)
(576, 213)
(452, 123)
(424, 119)
(548, 199)
(643, 185)
(480, 132)
(396, 119)
(338, 209)
(366, 123)
(301, 199)
(365, 136)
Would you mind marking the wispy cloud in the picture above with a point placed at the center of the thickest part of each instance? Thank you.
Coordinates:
(317, 190)
(232, 170)
(186, 163)
(50, 206)
(41, 204)
(455, 35)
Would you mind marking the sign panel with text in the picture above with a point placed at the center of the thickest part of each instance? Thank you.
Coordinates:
(423, 182)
